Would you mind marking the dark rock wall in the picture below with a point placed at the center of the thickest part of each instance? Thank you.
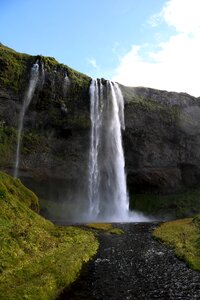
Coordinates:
(161, 140)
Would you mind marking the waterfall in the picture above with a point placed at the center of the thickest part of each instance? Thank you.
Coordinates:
(96, 116)
(27, 99)
(66, 83)
(108, 197)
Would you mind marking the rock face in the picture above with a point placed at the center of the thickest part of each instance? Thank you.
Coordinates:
(161, 140)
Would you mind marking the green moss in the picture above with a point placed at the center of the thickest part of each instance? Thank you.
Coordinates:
(116, 231)
(100, 226)
(49, 63)
(166, 112)
(174, 205)
(37, 259)
(13, 67)
(7, 144)
(80, 122)
(14, 189)
(183, 236)
(31, 141)
(77, 79)
(105, 227)
(14, 72)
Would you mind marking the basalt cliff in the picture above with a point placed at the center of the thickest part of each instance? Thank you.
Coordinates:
(161, 140)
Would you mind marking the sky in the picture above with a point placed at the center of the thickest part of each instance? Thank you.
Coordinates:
(152, 43)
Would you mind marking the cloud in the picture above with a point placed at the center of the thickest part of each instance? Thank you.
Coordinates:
(92, 62)
(182, 14)
(174, 64)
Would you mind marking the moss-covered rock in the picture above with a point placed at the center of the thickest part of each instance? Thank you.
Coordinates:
(13, 68)
(37, 259)
(7, 144)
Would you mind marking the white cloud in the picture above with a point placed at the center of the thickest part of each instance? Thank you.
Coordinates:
(182, 14)
(175, 64)
(92, 62)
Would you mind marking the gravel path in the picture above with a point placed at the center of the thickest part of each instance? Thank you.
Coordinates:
(134, 266)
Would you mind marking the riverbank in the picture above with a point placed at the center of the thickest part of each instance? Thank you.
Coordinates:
(135, 266)
(37, 259)
(183, 236)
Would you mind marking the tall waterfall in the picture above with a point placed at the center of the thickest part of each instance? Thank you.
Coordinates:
(27, 100)
(108, 197)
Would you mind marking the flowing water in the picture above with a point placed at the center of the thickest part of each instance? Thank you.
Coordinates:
(34, 76)
(66, 83)
(108, 197)
(134, 266)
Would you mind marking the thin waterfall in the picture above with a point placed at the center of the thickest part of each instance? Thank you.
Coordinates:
(108, 197)
(34, 76)
(66, 83)
(42, 74)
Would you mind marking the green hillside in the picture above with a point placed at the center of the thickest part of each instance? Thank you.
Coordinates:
(37, 259)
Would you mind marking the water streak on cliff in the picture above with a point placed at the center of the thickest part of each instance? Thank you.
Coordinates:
(26, 102)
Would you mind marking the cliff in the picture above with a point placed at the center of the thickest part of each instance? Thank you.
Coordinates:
(161, 139)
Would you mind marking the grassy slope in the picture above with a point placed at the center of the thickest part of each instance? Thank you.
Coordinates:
(184, 237)
(13, 66)
(37, 259)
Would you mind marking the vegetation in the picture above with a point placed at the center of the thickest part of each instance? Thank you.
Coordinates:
(184, 237)
(13, 67)
(106, 227)
(7, 144)
(37, 259)
(174, 205)
(77, 78)
(76, 99)
(163, 111)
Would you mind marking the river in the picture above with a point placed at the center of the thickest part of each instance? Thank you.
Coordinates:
(134, 266)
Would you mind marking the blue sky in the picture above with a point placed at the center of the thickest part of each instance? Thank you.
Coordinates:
(135, 42)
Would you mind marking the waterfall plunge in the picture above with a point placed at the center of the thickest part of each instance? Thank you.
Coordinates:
(108, 199)
(27, 100)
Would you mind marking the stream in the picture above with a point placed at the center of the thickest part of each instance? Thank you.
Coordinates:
(134, 266)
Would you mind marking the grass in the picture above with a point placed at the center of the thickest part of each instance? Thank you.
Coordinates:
(106, 227)
(13, 67)
(184, 237)
(37, 259)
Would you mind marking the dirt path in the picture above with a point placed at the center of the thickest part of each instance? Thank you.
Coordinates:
(134, 266)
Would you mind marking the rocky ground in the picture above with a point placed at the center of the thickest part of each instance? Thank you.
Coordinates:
(134, 266)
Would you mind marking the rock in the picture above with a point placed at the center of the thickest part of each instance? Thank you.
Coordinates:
(161, 139)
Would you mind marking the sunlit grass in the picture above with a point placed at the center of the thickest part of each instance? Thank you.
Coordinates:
(106, 227)
(184, 237)
(37, 259)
